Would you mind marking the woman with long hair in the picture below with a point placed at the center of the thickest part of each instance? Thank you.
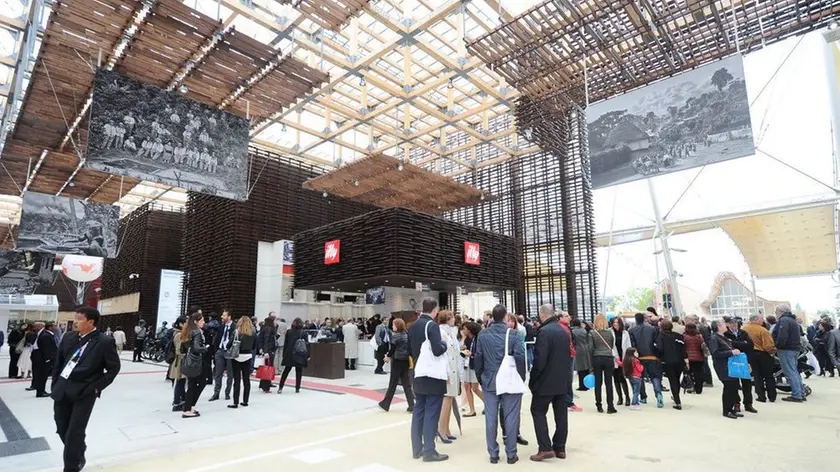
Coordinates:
(268, 347)
(671, 348)
(722, 350)
(292, 357)
(600, 344)
(179, 382)
(241, 365)
(622, 342)
(694, 344)
(470, 332)
(449, 335)
(192, 341)
(398, 355)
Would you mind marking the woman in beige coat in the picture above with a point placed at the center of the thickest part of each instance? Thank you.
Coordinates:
(179, 381)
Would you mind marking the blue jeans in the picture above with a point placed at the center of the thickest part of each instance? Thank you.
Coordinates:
(529, 351)
(571, 393)
(180, 392)
(510, 405)
(654, 371)
(424, 423)
(636, 382)
(788, 360)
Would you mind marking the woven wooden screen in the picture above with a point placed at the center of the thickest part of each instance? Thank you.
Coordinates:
(406, 244)
(221, 236)
(150, 240)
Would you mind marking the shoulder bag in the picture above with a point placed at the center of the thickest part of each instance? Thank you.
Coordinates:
(21, 345)
(191, 365)
(427, 364)
(617, 363)
(508, 380)
(233, 350)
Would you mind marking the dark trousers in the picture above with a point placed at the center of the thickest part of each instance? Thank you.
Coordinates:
(707, 373)
(138, 350)
(40, 372)
(349, 364)
(220, 366)
(824, 359)
(380, 357)
(71, 420)
(179, 393)
(509, 407)
(195, 386)
(603, 368)
(241, 375)
(674, 373)
(620, 384)
(399, 375)
(762, 367)
(746, 391)
(539, 410)
(424, 423)
(14, 357)
(697, 377)
(581, 375)
(298, 375)
(730, 395)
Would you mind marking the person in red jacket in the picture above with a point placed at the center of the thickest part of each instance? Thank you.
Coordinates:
(694, 344)
(564, 319)
(633, 369)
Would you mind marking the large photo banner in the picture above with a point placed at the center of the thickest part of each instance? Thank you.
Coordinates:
(697, 118)
(141, 131)
(68, 226)
(21, 273)
(170, 297)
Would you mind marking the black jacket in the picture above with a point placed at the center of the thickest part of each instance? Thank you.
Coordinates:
(721, 350)
(741, 342)
(400, 350)
(220, 336)
(267, 341)
(292, 335)
(552, 368)
(643, 338)
(47, 349)
(787, 335)
(97, 366)
(671, 348)
(15, 336)
(416, 337)
(247, 343)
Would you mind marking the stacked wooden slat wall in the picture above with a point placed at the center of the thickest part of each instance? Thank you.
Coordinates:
(400, 242)
(221, 236)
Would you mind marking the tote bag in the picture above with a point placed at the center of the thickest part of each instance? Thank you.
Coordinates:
(427, 364)
(738, 367)
(191, 365)
(508, 380)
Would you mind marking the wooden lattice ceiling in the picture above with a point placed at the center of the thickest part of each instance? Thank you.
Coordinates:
(387, 182)
(607, 47)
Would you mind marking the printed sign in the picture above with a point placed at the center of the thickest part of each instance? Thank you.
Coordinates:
(332, 252)
(472, 253)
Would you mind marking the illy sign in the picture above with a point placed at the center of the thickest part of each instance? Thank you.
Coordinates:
(472, 253)
(332, 252)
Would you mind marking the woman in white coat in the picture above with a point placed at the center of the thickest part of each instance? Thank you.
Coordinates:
(351, 345)
(449, 334)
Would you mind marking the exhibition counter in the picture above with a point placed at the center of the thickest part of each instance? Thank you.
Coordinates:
(326, 361)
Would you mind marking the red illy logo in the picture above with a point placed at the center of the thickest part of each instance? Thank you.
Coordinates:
(332, 252)
(472, 253)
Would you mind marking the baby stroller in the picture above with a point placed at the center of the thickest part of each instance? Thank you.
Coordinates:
(802, 366)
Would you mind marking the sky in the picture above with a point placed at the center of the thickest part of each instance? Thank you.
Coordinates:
(791, 117)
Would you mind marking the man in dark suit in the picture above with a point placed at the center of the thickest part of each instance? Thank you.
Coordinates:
(550, 380)
(87, 363)
(221, 364)
(428, 391)
(43, 356)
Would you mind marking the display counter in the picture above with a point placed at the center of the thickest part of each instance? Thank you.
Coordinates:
(326, 361)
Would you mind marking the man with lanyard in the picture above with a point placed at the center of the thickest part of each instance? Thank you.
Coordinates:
(220, 363)
(86, 364)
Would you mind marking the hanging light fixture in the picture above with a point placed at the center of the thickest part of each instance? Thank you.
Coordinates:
(355, 183)
(283, 128)
(362, 82)
(451, 84)
(325, 194)
(400, 166)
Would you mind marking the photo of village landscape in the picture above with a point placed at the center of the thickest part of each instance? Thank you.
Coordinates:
(697, 118)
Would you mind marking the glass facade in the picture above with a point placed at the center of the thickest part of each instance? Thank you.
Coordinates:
(734, 300)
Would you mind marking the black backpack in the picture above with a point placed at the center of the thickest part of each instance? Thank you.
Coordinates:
(300, 352)
(169, 351)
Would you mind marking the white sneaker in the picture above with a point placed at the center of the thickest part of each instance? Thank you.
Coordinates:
(635, 407)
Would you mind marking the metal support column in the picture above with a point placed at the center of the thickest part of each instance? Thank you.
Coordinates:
(666, 252)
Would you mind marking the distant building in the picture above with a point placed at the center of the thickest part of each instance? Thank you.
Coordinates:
(729, 296)
(627, 134)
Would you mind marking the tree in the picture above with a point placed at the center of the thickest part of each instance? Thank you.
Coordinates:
(720, 78)
(798, 308)
(635, 299)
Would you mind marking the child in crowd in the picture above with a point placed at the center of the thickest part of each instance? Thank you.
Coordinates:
(633, 370)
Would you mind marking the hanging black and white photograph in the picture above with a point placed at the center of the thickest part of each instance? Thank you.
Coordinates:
(68, 226)
(375, 296)
(697, 118)
(141, 131)
(23, 272)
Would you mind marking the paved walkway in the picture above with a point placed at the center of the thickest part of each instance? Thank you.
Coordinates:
(335, 426)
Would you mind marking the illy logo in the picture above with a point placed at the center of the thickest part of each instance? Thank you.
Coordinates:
(472, 253)
(332, 252)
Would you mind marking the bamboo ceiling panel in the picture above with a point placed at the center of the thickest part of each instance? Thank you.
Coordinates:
(629, 43)
(290, 81)
(377, 180)
(227, 67)
(331, 14)
(172, 34)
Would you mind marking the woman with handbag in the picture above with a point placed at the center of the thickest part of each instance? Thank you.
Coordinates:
(241, 364)
(192, 366)
(601, 343)
(721, 350)
(449, 335)
(295, 354)
(671, 349)
(398, 357)
(470, 332)
(268, 347)
(696, 351)
(622, 343)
